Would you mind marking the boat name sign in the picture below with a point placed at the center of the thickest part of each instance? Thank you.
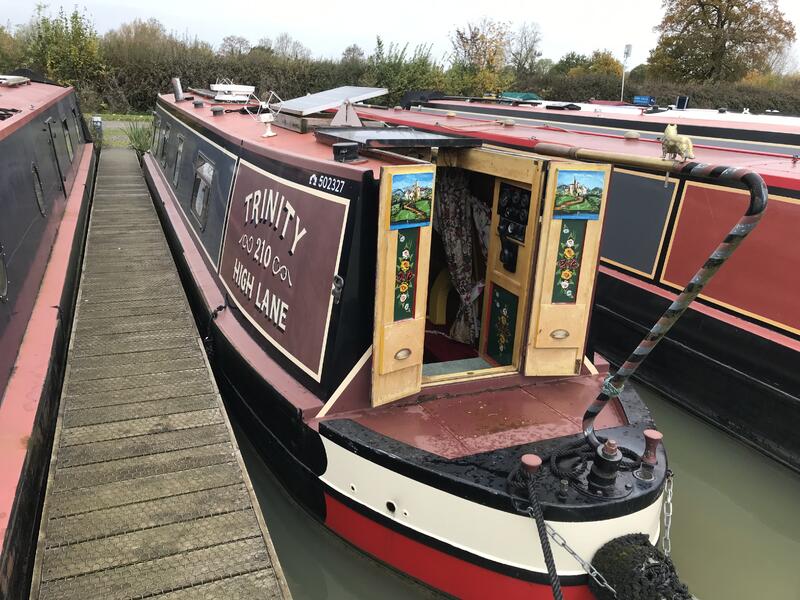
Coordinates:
(282, 246)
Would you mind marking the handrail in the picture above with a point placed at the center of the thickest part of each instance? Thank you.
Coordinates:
(613, 384)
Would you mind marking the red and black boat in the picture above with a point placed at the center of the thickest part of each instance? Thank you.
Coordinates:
(399, 316)
(47, 170)
(736, 348)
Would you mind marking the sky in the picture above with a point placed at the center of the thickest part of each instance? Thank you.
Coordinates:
(328, 27)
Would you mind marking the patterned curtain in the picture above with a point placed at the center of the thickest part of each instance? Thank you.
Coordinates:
(453, 220)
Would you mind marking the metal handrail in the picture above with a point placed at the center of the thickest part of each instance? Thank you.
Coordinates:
(614, 383)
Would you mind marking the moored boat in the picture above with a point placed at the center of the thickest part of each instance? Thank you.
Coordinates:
(322, 267)
(46, 180)
(736, 347)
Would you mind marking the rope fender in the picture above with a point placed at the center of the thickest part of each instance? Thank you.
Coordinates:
(637, 570)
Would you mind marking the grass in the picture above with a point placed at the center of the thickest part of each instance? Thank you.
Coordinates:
(121, 117)
(116, 126)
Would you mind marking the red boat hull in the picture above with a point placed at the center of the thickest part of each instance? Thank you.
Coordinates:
(433, 567)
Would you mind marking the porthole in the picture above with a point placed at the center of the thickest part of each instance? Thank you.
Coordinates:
(3, 276)
(37, 189)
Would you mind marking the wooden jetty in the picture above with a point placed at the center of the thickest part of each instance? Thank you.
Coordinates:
(147, 494)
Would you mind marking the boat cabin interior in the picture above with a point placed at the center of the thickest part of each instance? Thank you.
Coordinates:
(486, 258)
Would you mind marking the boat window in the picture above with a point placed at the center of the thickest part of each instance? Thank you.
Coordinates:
(203, 178)
(67, 139)
(3, 276)
(156, 137)
(78, 127)
(163, 146)
(178, 157)
(37, 189)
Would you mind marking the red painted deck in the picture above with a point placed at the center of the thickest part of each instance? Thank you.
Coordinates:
(777, 170)
(298, 147)
(468, 423)
(31, 100)
(699, 118)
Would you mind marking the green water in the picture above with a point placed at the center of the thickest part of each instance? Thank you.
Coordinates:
(736, 527)
(735, 532)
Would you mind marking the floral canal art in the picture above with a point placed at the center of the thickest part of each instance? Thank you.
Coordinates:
(502, 325)
(568, 261)
(405, 274)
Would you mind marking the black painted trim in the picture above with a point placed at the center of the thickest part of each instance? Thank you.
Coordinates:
(481, 478)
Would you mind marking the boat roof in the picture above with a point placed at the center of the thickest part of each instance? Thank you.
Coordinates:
(778, 170)
(245, 130)
(636, 114)
(28, 99)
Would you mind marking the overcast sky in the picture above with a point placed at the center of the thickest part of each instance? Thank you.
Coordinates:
(327, 27)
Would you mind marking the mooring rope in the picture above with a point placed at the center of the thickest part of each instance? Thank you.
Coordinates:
(538, 517)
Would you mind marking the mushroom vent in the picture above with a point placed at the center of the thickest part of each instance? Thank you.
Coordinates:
(345, 151)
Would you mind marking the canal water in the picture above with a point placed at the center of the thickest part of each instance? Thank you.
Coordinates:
(735, 532)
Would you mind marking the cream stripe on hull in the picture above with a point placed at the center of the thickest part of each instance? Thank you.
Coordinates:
(481, 530)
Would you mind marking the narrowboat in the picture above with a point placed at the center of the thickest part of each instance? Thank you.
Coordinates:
(47, 162)
(731, 358)
(399, 317)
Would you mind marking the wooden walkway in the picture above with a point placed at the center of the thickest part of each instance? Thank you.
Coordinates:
(147, 494)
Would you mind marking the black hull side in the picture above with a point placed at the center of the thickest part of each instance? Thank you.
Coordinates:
(19, 551)
(744, 383)
(273, 425)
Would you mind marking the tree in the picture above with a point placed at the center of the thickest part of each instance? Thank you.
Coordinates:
(784, 60)
(568, 62)
(718, 40)
(353, 54)
(481, 45)
(65, 48)
(10, 50)
(234, 45)
(399, 70)
(603, 62)
(543, 66)
(638, 73)
(288, 47)
(523, 49)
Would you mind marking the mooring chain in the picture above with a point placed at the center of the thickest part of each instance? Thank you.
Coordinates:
(666, 543)
(587, 566)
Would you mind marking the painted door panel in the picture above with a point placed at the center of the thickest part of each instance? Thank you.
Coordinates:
(566, 267)
(401, 291)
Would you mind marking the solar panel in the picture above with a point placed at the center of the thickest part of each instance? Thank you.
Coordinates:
(314, 103)
(392, 137)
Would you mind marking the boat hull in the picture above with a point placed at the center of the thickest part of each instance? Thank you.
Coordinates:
(41, 245)
(464, 547)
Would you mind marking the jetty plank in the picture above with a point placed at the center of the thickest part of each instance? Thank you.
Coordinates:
(147, 493)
